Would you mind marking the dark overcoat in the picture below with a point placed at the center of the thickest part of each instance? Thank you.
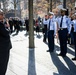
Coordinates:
(5, 43)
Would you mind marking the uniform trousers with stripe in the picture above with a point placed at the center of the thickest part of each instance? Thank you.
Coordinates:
(51, 40)
(63, 41)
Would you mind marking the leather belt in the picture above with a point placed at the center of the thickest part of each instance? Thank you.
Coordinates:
(62, 28)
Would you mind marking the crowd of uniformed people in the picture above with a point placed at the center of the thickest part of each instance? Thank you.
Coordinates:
(63, 27)
(60, 25)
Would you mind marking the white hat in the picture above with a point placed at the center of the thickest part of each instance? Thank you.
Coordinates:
(63, 9)
(51, 13)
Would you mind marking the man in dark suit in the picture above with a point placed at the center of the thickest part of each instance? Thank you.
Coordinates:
(5, 45)
(27, 25)
(11, 24)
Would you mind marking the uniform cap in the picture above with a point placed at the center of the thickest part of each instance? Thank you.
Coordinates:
(51, 13)
(63, 9)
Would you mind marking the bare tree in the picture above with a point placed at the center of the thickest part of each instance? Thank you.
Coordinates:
(40, 5)
(15, 4)
(5, 5)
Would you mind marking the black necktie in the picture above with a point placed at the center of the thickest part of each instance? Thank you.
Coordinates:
(61, 22)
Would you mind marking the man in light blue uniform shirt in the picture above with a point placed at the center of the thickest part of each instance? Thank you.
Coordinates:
(74, 25)
(63, 31)
(51, 32)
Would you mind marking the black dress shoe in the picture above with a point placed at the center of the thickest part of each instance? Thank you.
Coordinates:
(63, 56)
(44, 41)
(51, 51)
(48, 50)
(74, 58)
(59, 54)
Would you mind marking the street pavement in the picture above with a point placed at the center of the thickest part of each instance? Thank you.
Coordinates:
(37, 61)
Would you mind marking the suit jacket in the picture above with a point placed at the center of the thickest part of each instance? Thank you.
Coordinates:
(11, 22)
(5, 43)
(27, 22)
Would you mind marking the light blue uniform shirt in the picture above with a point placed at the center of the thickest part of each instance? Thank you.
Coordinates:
(53, 25)
(74, 24)
(45, 22)
(65, 23)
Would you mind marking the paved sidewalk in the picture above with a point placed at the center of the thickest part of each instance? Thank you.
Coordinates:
(25, 61)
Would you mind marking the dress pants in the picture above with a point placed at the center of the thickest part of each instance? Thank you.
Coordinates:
(45, 33)
(72, 38)
(75, 42)
(4, 57)
(63, 41)
(51, 40)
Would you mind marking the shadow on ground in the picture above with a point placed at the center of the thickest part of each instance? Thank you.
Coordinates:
(31, 62)
(70, 69)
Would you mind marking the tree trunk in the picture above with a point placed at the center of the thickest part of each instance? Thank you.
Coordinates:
(48, 7)
(15, 7)
(31, 27)
(51, 5)
(15, 11)
(64, 3)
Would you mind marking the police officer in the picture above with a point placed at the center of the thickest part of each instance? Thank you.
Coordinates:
(45, 22)
(51, 32)
(74, 25)
(5, 45)
(63, 31)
